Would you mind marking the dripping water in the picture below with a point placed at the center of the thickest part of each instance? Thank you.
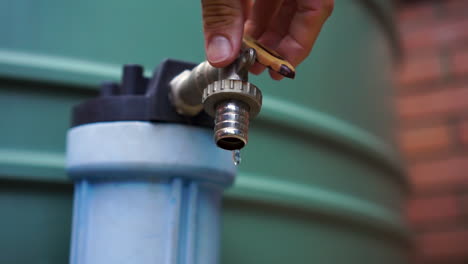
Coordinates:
(236, 157)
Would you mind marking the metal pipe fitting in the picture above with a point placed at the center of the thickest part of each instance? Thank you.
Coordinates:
(232, 103)
(231, 125)
(187, 88)
(224, 94)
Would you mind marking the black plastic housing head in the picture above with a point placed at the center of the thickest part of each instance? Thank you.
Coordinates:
(138, 98)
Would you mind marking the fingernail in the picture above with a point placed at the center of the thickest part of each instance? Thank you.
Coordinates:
(219, 49)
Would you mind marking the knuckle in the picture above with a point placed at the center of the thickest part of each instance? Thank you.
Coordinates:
(218, 14)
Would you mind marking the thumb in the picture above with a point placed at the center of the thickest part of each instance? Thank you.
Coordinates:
(223, 25)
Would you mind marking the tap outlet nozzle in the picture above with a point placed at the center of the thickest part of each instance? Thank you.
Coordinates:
(232, 103)
(231, 125)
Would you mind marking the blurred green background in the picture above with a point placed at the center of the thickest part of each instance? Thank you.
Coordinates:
(320, 180)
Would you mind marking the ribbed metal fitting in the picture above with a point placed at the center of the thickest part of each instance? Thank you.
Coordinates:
(231, 129)
(223, 90)
(232, 103)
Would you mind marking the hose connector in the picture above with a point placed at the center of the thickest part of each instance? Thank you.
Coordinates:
(232, 103)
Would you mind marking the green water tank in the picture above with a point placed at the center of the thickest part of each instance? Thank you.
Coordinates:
(320, 181)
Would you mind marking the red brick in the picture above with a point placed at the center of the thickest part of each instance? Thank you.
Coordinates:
(453, 31)
(439, 176)
(459, 62)
(422, 141)
(426, 31)
(424, 39)
(420, 69)
(463, 204)
(454, 7)
(444, 33)
(414, 14)
(451, 100)
(443, 245)
(463, 132)
(430, 211)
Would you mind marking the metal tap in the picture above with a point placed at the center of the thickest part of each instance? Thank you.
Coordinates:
(225, 94)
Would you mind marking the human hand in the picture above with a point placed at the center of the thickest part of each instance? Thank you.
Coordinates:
(290, 27)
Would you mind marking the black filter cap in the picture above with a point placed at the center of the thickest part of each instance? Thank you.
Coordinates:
(138, 98)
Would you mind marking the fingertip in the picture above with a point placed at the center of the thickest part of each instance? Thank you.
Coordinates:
(275, 76)
(220, 51)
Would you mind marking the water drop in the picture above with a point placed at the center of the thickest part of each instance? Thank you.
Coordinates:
(236, 157)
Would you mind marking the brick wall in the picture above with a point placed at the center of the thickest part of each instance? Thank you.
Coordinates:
(432, 104)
